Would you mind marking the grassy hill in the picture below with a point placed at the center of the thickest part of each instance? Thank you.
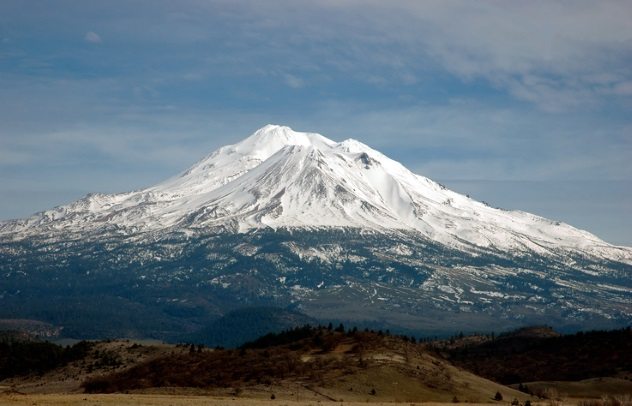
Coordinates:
(331, 364)
(316, 363)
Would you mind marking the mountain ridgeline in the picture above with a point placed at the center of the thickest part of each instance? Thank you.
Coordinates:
(335, 230)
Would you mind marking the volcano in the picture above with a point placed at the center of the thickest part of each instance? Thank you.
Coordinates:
(336, 230)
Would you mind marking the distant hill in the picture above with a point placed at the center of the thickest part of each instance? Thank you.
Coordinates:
(542, 355)
(331, 364)
(242, 325)
(23, 357)
(32, 328)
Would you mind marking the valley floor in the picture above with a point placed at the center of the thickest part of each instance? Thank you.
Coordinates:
(15, 399)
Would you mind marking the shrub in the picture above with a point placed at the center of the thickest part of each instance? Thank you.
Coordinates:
(590, 402)
(620, 400)
(498, 396)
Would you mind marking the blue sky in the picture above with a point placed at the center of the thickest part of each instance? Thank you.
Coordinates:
(526, 105)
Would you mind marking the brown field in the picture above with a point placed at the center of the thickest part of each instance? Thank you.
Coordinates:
(384, 371)
(176, 400)
(594, 388)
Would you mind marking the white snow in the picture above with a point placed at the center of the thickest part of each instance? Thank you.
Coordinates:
(278, 177)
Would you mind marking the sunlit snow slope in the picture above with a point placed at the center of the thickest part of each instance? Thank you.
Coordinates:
(280, 178)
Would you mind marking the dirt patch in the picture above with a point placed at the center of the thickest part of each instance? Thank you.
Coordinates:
(175, 400)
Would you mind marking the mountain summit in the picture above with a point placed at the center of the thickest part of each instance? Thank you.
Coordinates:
(335, 229)
(280, 178)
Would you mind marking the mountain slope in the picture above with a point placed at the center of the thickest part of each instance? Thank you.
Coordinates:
(247, 324)
(281, 178)
(334, 229)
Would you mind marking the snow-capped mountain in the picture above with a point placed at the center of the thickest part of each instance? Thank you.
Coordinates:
(280, 178)
(336, 229)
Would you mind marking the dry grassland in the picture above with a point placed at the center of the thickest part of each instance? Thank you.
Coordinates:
(176, 400)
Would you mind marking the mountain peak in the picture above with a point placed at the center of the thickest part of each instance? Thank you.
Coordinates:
(354, 146)
(269, 139)
(279, 177)
(339, 229)
(274, 128)
(272, 131)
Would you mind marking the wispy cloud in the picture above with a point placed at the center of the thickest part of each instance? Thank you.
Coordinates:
(294, 82)
(545, 53)
(92, 37)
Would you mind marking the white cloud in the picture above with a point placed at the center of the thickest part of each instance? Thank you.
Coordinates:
(562, 45)
(294, 82)
(92, 37)
(542, 52)
(546, 53)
